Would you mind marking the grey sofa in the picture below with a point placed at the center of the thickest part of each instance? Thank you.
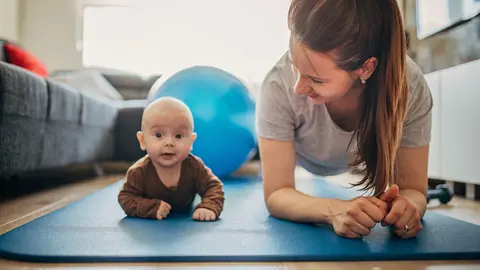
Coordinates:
(46, 124)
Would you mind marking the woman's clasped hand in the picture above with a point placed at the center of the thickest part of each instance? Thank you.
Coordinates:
(357, 217)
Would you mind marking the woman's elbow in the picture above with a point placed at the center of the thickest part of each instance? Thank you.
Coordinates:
(273, 203)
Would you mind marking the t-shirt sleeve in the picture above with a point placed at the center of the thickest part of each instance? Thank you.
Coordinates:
(275, 118)
(418, 121)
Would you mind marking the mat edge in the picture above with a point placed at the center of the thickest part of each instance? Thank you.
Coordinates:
(241, 259)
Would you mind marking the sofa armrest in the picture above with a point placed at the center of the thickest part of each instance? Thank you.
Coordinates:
(129, 121)
(46, 125)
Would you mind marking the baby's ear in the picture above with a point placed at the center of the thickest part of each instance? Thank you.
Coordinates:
(141, 140)
(194, 137)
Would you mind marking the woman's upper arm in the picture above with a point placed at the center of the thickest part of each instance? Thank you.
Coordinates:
(278, 164)
(418, 121)
(412, 162)
(275, 119)
(412, 168)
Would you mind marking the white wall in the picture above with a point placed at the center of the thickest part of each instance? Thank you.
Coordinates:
(455, 141)
(434, 161)
(9, 10)
(56, 41)
(48, 28)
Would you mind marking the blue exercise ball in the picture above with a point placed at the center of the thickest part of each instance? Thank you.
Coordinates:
(224, 114)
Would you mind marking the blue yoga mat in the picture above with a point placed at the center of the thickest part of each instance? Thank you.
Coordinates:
(95, 229)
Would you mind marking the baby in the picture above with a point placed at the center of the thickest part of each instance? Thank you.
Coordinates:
(168, 177)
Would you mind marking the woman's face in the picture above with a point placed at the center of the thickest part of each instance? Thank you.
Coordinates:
(318, 76)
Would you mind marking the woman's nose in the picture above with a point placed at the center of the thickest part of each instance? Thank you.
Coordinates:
(301, 86)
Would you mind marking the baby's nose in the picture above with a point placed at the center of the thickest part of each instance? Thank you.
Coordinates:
(169, 141)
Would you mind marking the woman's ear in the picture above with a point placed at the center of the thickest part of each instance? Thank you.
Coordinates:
(141, 140)
(367, 69)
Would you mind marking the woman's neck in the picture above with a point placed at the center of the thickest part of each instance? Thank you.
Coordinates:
(346, 111)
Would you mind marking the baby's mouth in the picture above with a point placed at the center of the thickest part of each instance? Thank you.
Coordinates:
(168, 154)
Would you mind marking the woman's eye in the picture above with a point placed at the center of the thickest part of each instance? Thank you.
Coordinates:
(316, 81)
(158, 135)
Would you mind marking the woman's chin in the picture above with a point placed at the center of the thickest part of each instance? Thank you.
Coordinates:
(317, 99)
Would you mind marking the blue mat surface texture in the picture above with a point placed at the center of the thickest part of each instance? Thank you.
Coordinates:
(95, 229)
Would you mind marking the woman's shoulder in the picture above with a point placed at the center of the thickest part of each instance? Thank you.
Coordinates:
(280, 75)
(418, 121)
(277, 107)
(277, 86)
(415, 74)
(419, 91)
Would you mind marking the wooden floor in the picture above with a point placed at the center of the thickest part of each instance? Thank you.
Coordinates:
(17, 211)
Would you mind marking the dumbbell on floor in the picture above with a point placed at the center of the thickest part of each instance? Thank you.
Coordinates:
(441, 192)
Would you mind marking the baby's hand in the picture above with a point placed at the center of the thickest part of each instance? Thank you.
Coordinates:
(163, 210)
(204, 214)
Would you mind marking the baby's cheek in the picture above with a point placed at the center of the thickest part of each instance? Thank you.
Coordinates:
(188, 148)
(184, 147)
(155, 147)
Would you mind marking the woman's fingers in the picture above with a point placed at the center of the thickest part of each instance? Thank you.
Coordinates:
(352, 234)
(365, 220)
(376, 209)
(410, 228)
(360, 229)
(395, 213)
(410, 231)
(348, 233)
(355, 226)
(390, 194)
(407, 218)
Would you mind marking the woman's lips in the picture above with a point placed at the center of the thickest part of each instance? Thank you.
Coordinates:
(313, 95)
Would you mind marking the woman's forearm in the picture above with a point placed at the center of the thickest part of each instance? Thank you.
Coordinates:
(417, 198)
(290, 204)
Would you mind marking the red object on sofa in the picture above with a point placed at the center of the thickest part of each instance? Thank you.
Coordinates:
(20, 57)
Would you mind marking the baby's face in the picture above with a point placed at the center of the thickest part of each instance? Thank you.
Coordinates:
(168, 137)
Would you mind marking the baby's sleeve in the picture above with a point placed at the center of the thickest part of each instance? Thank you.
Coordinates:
(209, 187)
(131, 196)
(275, 118)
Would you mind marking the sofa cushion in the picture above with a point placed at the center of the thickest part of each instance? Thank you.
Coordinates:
(97, 120)
(131, 86)
(63, 120)
(24, 103)
(90, 83)
(45, 124)
(64, 102)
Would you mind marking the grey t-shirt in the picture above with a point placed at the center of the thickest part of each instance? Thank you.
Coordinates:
(321, 145)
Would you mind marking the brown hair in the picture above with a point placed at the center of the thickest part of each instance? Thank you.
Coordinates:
(354, 31)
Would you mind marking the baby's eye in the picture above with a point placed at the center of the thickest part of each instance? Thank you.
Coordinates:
(179, 136)
(158, 135)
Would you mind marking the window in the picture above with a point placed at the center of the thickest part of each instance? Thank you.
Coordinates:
(242, 37)
(435, 15)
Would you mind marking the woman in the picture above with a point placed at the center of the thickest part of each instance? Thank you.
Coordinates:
(346, 95)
